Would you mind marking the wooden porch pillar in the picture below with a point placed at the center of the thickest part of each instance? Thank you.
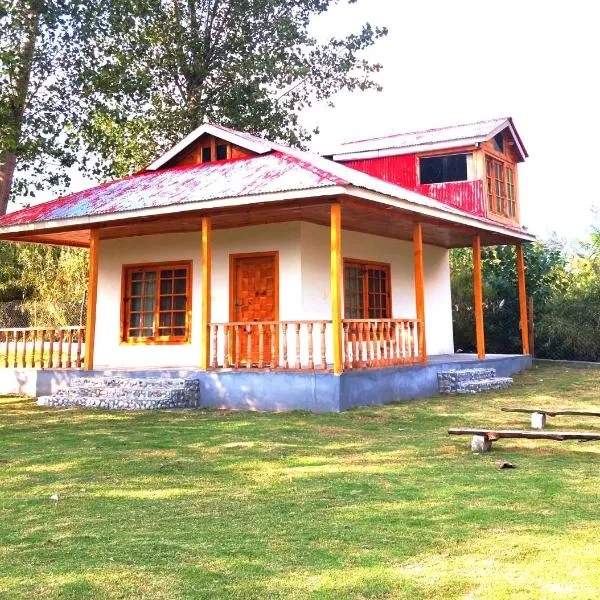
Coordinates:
(478, 297)
(419, 288)
(90, 324)
(522, 299)
(206, 282)
(336, 286)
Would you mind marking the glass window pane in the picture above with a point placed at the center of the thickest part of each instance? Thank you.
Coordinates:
(148, 320)
(164, 320)
(168, 274)
(180, 286)
(179, 318)
(134, 333)
(149, 304)
(166, 287)
(150, 275)
(206, 156)
(137, 276)
(179, 332)
(166, 303)
(179, 303)
(136, 320)
(147, 332)
(181, 273)
(221, 152)
(150, 288)
(136, 304)
(164, 331)
(136, 288)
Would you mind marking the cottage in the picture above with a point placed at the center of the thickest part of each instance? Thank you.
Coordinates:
(277, 278)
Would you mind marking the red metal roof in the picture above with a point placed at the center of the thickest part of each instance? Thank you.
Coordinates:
(276, 172)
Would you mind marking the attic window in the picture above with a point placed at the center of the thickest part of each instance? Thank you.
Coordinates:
(206, 155)
(499, 142)
(221, 151)
(442, 169)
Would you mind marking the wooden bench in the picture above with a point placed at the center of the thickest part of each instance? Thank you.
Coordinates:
(483, 438)
(538, 415)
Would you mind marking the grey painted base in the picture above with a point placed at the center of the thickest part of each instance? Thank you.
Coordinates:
(279, 391)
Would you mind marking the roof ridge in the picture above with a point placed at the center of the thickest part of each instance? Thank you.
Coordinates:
(392, 135)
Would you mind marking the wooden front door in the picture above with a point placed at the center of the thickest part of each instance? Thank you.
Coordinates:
(255, 297)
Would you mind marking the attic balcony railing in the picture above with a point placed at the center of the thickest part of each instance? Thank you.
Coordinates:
(42, 347)
(306, 345)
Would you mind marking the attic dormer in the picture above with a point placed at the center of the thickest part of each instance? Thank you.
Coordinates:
(211, 143)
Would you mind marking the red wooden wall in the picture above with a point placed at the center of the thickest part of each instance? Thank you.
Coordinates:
(402, 170)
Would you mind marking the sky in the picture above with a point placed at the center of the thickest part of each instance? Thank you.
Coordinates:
(449, 62)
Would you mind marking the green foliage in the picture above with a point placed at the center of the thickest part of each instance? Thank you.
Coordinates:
(566, 296)
(49, 283)
(152, 71)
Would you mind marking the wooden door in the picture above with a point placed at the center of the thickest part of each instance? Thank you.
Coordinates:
(255, 297)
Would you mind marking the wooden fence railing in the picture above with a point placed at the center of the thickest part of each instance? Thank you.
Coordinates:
(374, 343)
(297, 345)
(42, 347)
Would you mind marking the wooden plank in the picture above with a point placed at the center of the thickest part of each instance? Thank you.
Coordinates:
(478, 297)
(522, 299)
(496, 434)
(420, 289)
(551, 413)
(336, 285)
(90, 326)
(206, 282)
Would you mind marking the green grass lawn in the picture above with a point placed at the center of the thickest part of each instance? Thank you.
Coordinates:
(371, 503)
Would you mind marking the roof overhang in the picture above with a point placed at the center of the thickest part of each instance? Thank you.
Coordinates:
(45, 231)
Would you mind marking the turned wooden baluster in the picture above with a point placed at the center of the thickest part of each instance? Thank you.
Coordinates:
(354, 345)
(60, 348)
(369, 348)
(215, 334)
(69, 333)
(238, 347)
(411, 341)
(226, 346)
(33, 340)
(16, 349)
(261, 345)
(323, 327)
(273, 330)
(345, 327)
(79, 344)
(51, 334)
(394, 345)
(311, 362)
(298, 364)
(24, 352)
(388, 343)
(285, 340)
(6, 349)
(43, 335)
(361, 353)
(249, 346)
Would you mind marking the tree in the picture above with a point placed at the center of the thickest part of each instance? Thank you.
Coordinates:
(39, 40)
(156, 69)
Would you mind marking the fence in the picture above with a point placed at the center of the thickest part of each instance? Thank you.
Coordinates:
(21, 314)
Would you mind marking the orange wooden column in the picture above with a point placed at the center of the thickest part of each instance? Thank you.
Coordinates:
(336, 286)
(420, 288)
(90, 324)
(478, 296)
(522, 299)
(206, 277)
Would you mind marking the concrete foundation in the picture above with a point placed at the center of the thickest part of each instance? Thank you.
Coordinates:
(282, 390)
(480, 443)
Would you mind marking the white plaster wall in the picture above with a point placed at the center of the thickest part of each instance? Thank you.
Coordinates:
(110, 352)
(316, 301)
(304, 282)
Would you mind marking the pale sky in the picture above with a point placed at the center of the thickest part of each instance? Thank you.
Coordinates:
(448, 62)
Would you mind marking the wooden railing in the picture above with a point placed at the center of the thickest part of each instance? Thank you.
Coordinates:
(297, 345)
(42, 347)
(374, 343)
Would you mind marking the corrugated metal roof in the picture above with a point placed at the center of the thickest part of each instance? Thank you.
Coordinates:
(265, 174)
(469, 132)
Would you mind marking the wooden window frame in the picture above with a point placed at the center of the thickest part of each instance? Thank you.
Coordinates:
(365, 264)
(125, 311)
(509, 209)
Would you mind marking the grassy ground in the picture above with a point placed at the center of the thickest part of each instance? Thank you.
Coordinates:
(372, 503)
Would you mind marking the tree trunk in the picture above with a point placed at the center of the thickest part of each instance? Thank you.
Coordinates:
(8, 158)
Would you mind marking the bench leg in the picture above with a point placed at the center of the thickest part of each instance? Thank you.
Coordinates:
(538, 420)
(480, 443)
